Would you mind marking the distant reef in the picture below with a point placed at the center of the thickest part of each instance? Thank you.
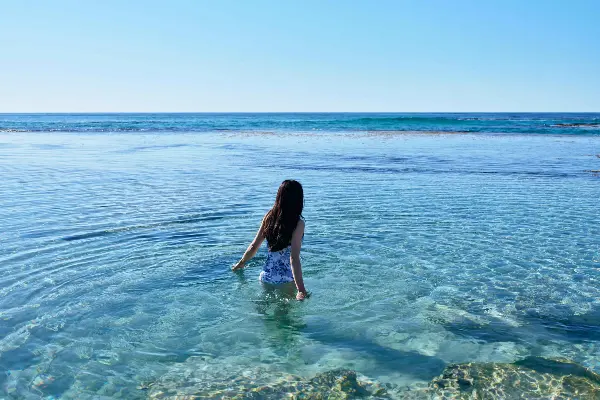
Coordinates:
(577, 125)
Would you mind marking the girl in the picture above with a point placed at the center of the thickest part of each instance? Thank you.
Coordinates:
(283, 227)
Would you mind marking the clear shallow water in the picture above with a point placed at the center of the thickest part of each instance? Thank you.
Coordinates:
(421, 250)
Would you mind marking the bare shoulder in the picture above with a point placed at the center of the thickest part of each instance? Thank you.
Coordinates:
(264, 220)
(299, 230)
(266, 215)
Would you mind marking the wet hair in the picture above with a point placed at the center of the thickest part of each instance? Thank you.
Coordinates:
(280, 222)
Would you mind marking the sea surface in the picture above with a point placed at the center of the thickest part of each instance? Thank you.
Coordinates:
(431, 239)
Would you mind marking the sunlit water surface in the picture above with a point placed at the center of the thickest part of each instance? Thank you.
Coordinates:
(420, 250)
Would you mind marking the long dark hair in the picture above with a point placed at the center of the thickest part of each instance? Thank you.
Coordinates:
(280, 222)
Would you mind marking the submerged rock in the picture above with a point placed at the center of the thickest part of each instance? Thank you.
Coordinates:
(531, 378)
(252, 384)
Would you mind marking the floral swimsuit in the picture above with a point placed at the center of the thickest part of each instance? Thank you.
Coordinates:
(278, 268)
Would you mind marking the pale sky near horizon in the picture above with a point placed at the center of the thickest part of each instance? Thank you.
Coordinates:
(247, 56)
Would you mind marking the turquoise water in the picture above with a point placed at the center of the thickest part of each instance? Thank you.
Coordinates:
(527, 123)
(420, 250)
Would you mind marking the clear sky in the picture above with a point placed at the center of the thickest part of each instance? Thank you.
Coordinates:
(324, 55)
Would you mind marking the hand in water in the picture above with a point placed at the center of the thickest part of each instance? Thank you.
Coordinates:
(302, 295)
(237, 266)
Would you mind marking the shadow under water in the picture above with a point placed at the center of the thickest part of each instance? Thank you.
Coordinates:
(408, 363)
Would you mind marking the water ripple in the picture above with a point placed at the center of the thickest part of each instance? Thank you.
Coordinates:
(419, 251)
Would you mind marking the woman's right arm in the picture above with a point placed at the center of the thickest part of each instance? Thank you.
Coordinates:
(295, 259)
(252, 249)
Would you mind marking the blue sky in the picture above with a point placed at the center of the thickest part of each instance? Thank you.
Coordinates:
(129, 56)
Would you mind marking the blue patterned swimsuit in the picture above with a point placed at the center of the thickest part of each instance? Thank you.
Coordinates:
(278, 268)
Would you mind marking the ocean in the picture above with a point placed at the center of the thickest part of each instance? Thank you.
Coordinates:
(520, 123)
(433, 242)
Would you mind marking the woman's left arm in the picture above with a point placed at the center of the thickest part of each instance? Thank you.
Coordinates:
(252, 249)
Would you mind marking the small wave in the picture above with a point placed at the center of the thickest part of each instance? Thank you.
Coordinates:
(577, 125)
(416, 132)
(212, 216)
(420, 170)
(155, 147)
(409, 119)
